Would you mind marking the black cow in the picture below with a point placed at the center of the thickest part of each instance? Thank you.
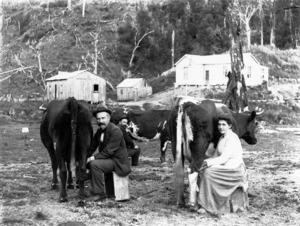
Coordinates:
(151, 125)
(192, 127)
(66, 131)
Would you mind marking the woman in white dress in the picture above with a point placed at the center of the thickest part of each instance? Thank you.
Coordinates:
(224, 169)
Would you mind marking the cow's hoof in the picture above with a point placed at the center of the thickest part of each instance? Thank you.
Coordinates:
(194, 208)
(81, 203)
(63, 199)
(162, 160)
(54, 187)
(70, 186)
(180, 205)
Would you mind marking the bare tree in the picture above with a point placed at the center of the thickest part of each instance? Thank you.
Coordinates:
(95, 36)
(247, 9)
(236, 93)
(83, 8)
(1, 35)
(70, 5)
(261, 17)
(292, 24)
(136, 46)
(270, 5)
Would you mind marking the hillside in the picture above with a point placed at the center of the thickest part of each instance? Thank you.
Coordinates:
(47, 38)
(52, 39)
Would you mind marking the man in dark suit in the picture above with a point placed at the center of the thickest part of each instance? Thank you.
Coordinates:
(132, 149)
(108, 153)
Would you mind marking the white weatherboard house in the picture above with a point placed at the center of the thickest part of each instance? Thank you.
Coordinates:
(212, 70)
(133, 89)
(82, 85)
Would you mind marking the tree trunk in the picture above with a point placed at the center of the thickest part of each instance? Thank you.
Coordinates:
(70, 5)
(293, 25)
(272, 27)
(236, 92)
(83, 8)
(96, 54)
(248, 32)
(261, 15)
(1, 36)
(173, 50)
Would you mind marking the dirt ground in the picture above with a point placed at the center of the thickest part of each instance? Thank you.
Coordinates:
(273, 166)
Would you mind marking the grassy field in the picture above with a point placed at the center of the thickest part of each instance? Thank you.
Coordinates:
(273, 166)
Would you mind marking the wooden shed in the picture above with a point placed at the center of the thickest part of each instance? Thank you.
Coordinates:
(133, 89)
(82, 85)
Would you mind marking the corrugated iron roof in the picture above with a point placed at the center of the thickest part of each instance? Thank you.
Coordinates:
(64, 75)
(213, 59)
(129, 82)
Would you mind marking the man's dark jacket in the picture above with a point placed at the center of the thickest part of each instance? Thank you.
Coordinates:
(113, 147)
(128, 141)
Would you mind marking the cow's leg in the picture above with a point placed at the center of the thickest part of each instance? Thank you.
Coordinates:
(80, 175)
(63, 179)
(179, 181)
(82, 149)
(54, 184)
(51, 150)
(179, 177)
(70, 177)
(163, 148)
(48, 143)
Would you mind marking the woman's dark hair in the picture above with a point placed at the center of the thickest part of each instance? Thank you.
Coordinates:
(226, 117)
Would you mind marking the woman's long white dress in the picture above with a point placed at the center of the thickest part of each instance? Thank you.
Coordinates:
(225, 173)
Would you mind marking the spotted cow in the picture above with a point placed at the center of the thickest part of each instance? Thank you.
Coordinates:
(151, 125)
(192, 126)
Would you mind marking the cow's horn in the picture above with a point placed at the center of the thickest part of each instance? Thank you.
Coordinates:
(42, 108)
(246, 109)
(259, 111)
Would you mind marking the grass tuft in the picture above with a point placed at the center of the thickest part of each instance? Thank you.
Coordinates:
(40, 216)
(12, 221)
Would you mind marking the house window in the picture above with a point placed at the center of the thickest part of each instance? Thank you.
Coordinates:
(249, 72)
(262, 73)
(96, 88)
(185, 73)
(207, 75)
(121, 91)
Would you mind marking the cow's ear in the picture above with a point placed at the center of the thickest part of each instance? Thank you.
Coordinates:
(252, 116)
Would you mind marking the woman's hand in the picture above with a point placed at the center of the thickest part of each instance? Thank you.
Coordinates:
(90, 159)
(203, 167)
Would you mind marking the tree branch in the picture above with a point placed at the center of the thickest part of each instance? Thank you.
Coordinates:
(137, 45)
(17, 69)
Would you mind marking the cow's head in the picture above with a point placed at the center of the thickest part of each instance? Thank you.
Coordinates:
(133, 127)
(247, 126)
(249, 135)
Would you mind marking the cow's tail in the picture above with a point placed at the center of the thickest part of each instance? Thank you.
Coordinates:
(187, 136)
(74, 112)
(179, 168)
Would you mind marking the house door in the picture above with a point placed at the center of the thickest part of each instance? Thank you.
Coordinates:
(207, 77)
(135, 94)
(55, 92)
